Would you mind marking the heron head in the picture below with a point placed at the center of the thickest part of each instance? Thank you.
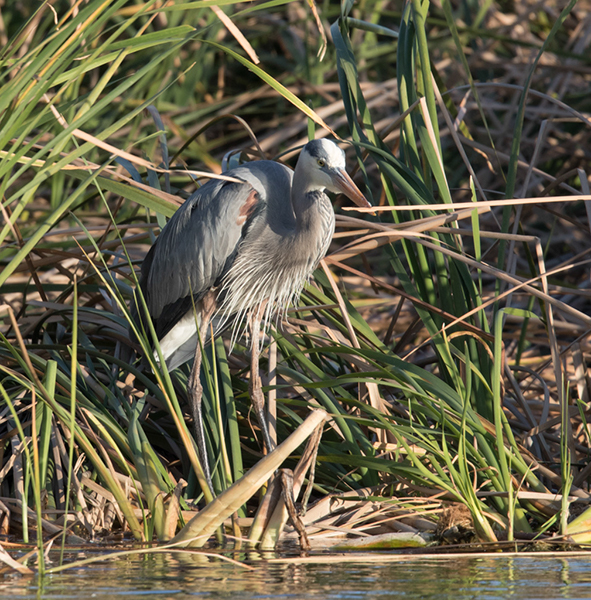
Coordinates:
(324, 163)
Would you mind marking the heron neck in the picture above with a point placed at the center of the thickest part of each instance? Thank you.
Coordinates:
(308, 201)
(314, 224)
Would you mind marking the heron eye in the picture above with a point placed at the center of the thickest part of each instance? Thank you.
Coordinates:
(321, 162)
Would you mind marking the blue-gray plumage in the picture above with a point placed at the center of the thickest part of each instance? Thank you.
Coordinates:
(238, 250)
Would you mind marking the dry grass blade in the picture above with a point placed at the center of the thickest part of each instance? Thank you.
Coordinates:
(485, 204)
(14, 564)
(201, 527)
(223, 17)
(283, 510)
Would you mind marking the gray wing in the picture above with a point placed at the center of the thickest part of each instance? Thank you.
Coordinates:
(200, 242)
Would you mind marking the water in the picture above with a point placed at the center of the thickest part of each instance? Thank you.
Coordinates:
(383, 576)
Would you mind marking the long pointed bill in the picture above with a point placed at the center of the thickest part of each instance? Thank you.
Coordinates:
(345, 184)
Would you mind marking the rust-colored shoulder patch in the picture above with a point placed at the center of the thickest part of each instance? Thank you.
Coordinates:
(247, 209)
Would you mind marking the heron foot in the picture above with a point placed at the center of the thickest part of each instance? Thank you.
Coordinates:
(286, 478)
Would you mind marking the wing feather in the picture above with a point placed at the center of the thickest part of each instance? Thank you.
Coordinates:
(194, 250)
(200, 242)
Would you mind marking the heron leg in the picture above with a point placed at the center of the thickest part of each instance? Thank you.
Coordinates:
(195, 389)
(255, 387)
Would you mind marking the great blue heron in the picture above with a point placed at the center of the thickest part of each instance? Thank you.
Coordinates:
(237, 250)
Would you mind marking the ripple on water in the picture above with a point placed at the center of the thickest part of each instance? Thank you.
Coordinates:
(179, 576)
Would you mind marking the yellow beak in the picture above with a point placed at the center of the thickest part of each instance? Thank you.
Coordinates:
(345, 184)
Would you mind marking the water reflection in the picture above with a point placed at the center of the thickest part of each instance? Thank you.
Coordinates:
(181, 576)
